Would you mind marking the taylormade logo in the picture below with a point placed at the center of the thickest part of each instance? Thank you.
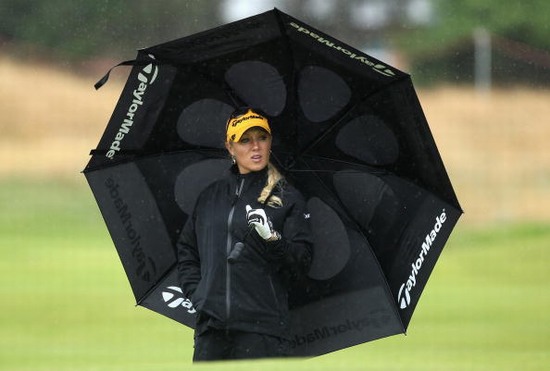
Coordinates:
(377, 67)
(143, 264)
(404, 295)
(375, 320)
(173, 297)
(146, 77)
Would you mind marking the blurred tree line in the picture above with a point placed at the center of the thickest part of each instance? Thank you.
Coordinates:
(526, 21)
(81, 29)
(519, 43)
(441, 47)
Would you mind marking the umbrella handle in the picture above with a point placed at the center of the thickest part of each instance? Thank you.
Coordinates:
(236, 252)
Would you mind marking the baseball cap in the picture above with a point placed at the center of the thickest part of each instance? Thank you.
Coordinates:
(238, 123)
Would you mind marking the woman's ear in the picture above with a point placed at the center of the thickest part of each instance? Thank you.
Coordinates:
(229, 147)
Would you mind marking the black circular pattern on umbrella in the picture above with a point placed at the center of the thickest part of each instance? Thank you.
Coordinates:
(210, 115)
(368, 139)
(194, 179)
(362, 194)
(332, 246)
(321, 93)
(259, 84)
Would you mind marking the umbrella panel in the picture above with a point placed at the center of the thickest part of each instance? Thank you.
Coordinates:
(135, 223)
(144, 214)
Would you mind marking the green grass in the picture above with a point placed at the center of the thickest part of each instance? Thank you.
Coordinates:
(66, 304)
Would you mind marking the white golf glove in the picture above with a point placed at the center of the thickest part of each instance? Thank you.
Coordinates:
(260, 221)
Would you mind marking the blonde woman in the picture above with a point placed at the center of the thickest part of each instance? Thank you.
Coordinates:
(245, 243)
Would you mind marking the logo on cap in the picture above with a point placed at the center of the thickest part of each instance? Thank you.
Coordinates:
(237, 126)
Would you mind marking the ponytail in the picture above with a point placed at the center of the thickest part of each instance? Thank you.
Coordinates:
(274, 178)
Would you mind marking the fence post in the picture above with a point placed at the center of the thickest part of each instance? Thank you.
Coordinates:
(482, 56)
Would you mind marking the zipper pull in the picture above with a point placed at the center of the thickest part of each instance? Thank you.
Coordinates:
(238, 190)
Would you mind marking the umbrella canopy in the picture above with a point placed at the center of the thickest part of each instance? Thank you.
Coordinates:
(348, 131)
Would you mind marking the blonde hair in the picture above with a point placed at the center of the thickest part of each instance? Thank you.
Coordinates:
(274, 178)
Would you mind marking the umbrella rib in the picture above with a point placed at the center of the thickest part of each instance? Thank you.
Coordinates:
(231, 93)
(138, 155)
(155, 285)
(292, 91)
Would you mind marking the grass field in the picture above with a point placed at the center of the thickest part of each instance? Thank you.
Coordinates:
(66, 304)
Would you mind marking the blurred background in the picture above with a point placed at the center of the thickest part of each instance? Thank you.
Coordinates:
(482, 71)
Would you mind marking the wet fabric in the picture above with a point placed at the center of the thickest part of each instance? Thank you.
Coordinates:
(250, 291)
(217, 345)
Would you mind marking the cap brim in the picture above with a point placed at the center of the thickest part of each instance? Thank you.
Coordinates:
(244, 128)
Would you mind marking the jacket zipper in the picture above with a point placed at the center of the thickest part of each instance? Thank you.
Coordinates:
(238, 192)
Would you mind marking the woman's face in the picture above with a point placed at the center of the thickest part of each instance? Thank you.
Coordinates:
(251, 152)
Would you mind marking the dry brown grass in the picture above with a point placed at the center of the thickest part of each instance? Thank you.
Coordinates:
(50, 119)
(495, 149)
(495, 146)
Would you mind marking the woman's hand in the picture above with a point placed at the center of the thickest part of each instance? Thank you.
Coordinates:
(259, 220)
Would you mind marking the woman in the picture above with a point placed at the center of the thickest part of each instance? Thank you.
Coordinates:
(246, 242)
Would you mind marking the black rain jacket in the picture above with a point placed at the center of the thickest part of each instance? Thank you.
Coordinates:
(251, 293)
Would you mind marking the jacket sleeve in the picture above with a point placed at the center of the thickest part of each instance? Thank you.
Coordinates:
(189, 269)
(294, 249)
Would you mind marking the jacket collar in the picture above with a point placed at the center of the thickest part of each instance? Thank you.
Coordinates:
(253, 176)
(252, 180)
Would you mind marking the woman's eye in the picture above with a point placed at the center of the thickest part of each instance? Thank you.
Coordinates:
(244, 140)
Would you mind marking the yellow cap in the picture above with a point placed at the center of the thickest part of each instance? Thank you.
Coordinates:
(236, 126)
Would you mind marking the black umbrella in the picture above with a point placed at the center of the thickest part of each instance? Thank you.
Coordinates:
(348, 131)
